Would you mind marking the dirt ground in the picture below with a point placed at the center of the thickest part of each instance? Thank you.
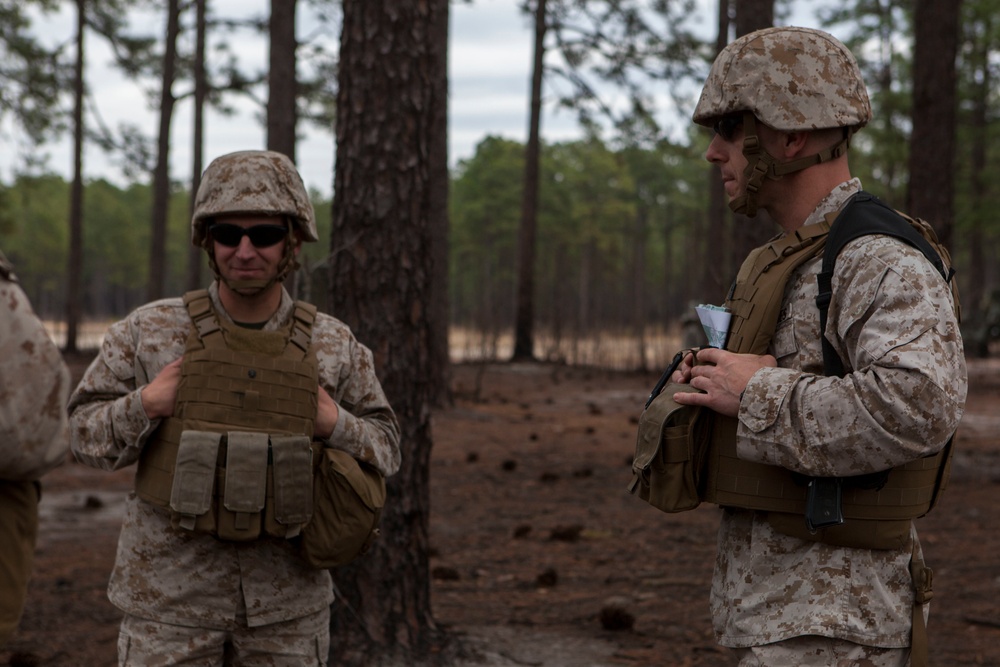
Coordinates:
(539, 555)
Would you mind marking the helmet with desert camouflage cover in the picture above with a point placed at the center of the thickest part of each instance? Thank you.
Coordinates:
(791, 79)
(252, 183)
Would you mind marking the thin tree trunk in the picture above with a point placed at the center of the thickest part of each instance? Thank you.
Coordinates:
(195, 256)
(74, 273)
(381, 286)
(524, 323)
(282, 82)
(748, 233)
(161, 175)
(440, 180)
(715, 260)
(974, 280)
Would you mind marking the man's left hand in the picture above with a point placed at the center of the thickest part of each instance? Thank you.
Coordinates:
(722, 376)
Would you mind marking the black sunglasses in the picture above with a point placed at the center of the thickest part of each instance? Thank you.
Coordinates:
(726, 126)
(261, 236)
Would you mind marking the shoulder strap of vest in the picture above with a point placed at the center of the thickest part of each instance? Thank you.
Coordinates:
(303, 318)
(865, 214)
(755, 298)
(199, 307)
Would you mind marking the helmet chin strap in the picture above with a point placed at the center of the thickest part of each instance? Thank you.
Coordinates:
(761, 164)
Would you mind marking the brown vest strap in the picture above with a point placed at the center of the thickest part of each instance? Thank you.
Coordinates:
(879, 517)
(755, 299)
(876, 518)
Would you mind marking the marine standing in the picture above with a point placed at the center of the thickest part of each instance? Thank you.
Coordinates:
(207, 571)
(785, 104)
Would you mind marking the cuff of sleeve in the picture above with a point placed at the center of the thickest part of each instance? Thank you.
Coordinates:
(344, 421)
(761, 402)
(130, 413)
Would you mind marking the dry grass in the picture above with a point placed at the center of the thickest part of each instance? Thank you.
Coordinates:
(613, 350)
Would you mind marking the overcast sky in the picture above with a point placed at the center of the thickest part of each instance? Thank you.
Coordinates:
(489, 72)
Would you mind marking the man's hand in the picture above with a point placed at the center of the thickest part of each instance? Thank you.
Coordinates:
(721, 375)
(327, 414)
(159, 396)
(682, 374)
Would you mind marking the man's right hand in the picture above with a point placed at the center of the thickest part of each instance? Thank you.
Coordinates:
(159, 396)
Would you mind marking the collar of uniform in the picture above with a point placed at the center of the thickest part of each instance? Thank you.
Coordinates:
(278, 320)
(835, 200)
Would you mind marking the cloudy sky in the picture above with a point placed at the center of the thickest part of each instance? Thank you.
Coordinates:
(489, 71)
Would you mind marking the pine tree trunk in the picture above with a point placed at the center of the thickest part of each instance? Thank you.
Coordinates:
(524, 340)
(715, 261)
(74, 271)
(195, 255)
(161, 175)
(748, 233)
(381, 284)
(440, 181)
(974, 279)
(935, 39)
(281, 81)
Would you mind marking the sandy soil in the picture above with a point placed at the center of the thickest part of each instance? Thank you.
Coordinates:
(539, 556)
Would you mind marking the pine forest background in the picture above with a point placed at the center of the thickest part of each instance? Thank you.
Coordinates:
(624, 239)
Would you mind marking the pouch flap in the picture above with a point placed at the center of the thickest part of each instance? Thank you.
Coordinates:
(292, 471)
(365, 480)
(662, 413)
(194, 472)
(246, 471)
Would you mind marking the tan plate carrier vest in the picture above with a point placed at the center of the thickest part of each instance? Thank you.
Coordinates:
(236, 460)
(877, 509)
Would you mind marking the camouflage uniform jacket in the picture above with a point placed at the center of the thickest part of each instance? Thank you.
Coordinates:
(891, 321)
(195, 579)
(34, 385)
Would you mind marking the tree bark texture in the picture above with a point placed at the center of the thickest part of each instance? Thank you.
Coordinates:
(525, 320)
(381, 284)
(931, 190)
(753, 15)
(281, 79)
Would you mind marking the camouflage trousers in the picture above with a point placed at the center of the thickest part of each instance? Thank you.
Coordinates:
(18, 532)
(821, 652)
(300, 642)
